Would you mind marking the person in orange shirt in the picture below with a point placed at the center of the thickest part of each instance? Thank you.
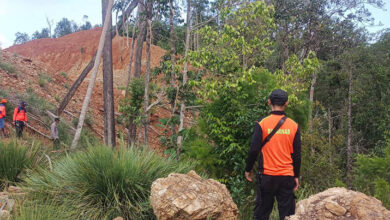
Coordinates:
(2, 117)
(279, 159)
(20, 118)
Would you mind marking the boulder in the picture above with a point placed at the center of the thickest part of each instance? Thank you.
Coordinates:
(188, 196)
(340, 204)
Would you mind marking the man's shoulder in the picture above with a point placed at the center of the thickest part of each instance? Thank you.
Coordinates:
(292, 121)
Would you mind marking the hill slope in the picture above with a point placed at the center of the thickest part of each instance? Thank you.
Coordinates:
(48, 67)
(71, 53)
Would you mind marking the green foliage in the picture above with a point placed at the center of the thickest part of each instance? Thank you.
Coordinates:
(7, 67)
(36, 104)
(235, 89)
(21, 38)
(382, 191)
(44, 79)
(31, 210)
(372, 175)
(131, 107)
(102, 183)
(64, 27)
(15, 159)
(319, 158)
(63, 74)
(45, 33)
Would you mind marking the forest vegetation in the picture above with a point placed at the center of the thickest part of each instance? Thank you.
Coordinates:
(223, 60)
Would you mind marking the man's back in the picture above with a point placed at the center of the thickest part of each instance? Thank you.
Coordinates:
(276, 154)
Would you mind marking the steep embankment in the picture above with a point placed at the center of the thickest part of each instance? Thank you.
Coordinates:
(72, 53)
(57, 62)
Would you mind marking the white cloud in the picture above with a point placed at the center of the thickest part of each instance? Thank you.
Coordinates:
(4, 42)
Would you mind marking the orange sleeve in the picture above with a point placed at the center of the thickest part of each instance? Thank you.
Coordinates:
(25, 116)
(15, 113)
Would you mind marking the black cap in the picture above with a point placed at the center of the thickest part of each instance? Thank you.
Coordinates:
(278, 97)
(56, 119)
(23, 103)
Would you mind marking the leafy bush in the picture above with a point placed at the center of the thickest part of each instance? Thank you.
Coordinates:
(63, 74)
(102, 183)
(372, 175)
(7, 67)
(15, 159)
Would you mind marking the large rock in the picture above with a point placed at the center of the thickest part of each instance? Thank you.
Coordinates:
(188, 196)
(340, 203)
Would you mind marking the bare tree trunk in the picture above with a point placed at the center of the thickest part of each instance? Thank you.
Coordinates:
(137, 63)
(87, 98)
(108, 84)
(88, 68)
(330, 125)
(285, 48)
(349, 135)
(183, 106)
(147, 74)
(131, 57)
(173, 61)
(311, 99)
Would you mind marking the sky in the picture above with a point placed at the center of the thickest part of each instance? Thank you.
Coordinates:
(30, 15)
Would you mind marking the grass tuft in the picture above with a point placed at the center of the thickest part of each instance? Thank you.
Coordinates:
(102, 183)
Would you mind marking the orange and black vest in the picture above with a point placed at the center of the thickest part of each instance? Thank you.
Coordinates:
(281, 156)
(2, 111)
(20, 114)
(277, 159)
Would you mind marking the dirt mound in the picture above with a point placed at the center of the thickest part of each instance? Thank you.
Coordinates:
(71, 53)
(340, 203)
(34, 78)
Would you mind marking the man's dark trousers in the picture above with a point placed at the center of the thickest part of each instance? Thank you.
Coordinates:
(269, 187)
(19, 126)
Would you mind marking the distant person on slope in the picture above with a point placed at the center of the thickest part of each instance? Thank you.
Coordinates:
(2, 117)
(54, 133)
(20, 118)
(276, 142)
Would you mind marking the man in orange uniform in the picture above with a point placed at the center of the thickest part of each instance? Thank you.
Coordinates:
(20, 118)
(2, 117)
(279, 159)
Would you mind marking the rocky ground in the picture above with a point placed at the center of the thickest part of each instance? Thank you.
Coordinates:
(340, 204)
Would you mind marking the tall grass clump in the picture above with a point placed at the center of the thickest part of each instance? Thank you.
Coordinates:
(30, 210)
(15, 159)
(102, 183)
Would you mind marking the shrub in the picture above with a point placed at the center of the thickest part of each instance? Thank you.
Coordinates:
(15, 159)
(44, 79)
(102, 183)
(7, 67)
(63, 74)
(372, 175)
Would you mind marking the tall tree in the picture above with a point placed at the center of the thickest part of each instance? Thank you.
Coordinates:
(108, 84)
(173, 91)
(349, 119)
(182, 105)
(87, 98)
(43, 34)
(137, 62)
(64, 27)
(89, 66)
(147, 73)
(21, 38)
